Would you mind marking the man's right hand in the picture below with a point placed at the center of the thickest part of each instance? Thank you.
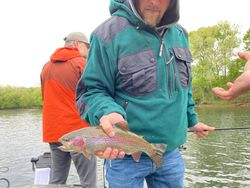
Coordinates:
(106, 122)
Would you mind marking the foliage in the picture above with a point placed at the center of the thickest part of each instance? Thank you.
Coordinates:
(246, 40)
(20, 97)
(214, 61)
(215, 64)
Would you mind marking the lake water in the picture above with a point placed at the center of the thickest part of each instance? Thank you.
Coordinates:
(222, 160)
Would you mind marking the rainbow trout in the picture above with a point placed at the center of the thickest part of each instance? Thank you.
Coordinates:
(92, 139)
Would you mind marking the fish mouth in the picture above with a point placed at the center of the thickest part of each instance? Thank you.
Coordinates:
(65, 145)
(63, 141)
(65, 149)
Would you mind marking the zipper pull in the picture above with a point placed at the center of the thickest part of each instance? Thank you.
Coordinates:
(161, 48)
(170, 60)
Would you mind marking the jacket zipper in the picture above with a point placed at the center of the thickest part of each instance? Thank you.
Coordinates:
(161, 47)
(125, 105)
(169, 78)
(163, 50)
(175, 78)
(175, 71)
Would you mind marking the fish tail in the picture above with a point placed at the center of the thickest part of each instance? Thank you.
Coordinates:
(157, 156)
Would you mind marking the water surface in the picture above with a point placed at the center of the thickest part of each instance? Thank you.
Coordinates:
(220, 160)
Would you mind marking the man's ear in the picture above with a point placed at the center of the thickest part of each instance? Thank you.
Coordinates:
(75, 44)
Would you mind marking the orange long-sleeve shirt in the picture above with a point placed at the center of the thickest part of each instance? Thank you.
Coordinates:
(59, 78)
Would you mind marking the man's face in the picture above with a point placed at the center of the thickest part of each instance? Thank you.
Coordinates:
(152, 10)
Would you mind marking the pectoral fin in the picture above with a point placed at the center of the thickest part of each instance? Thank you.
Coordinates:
(136, 156)
(87, 154)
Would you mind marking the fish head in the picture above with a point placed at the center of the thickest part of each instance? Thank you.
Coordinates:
(72, 143)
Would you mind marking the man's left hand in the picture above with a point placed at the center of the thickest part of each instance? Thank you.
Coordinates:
(201, 130)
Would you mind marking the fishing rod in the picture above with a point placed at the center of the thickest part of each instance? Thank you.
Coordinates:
(227, 129)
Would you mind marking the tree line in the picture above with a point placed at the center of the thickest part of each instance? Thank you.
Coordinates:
(20, 97)
(215, 64)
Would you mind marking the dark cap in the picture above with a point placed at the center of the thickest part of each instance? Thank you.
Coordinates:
(76, 36)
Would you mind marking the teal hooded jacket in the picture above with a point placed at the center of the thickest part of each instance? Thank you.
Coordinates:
(142, 73)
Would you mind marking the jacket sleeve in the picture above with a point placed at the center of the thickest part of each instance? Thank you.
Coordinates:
(96, 88)
(192, 116)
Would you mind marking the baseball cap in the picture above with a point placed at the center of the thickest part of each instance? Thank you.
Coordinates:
(76, 36)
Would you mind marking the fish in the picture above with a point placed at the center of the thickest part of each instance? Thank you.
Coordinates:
(92, 139)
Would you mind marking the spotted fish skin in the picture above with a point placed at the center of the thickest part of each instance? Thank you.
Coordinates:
(92, 139)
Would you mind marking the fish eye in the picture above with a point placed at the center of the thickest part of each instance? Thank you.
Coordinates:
(66, 139)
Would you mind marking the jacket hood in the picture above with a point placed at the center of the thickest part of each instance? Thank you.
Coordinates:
(125, 8)
(64, 54)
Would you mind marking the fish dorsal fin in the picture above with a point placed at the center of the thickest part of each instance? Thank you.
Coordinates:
(99, 127)
(136, 156)
(123, 125)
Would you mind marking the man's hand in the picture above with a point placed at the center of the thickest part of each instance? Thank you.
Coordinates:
(106, 122)
(240, 85)
(201, 130)
(244, 55)
(225, 94)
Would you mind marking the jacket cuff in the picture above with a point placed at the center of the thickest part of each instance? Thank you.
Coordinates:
(192, 122)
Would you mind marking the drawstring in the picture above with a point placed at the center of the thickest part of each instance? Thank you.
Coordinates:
(161, 48)
(169, 61)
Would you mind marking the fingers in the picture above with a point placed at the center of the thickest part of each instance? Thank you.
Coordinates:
(218, 90)
(201, 134)
(107, 121)
(229, 85)
(201, 130)
(210, 128)
(107, 126)
(244, 55)
(108, 129)
(221, 93)
(110, 153)
(121, 154)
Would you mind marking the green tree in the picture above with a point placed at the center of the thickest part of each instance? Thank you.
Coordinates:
(246, 40)
(212, 48)
(20, 97)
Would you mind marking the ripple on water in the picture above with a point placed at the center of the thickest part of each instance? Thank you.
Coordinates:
(220, 160)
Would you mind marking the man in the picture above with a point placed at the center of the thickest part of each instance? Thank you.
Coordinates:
(240, 85)
(138, 70)
(59, 78)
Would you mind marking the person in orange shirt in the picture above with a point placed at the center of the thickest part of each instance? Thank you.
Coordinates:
(59, 78)
(240, 85)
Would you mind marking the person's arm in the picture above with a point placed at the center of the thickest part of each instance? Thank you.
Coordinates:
(96, 87)
(240, 85)
(95, 93)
